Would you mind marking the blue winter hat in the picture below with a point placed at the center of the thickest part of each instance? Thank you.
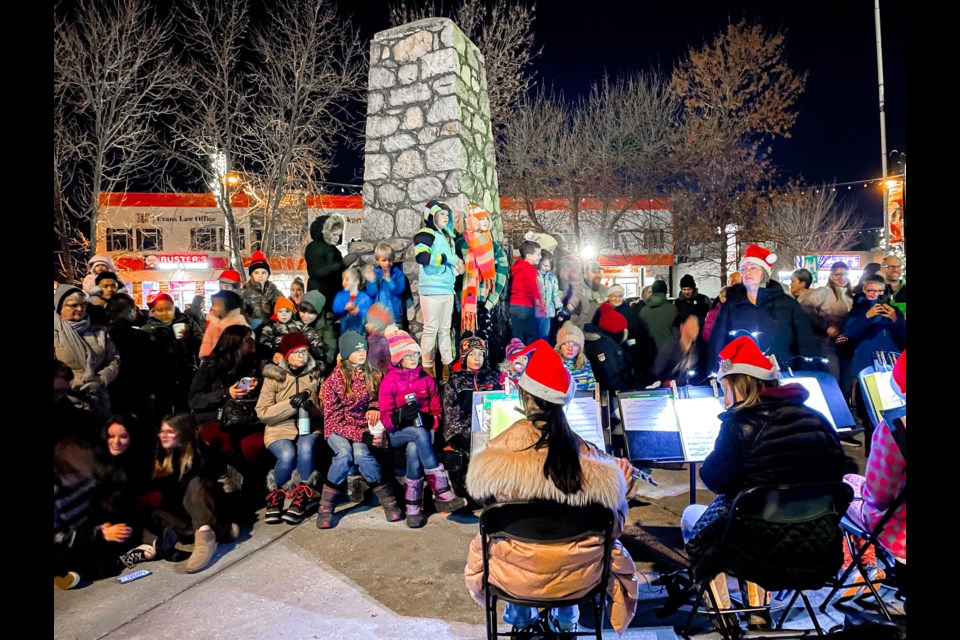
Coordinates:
(351, 342)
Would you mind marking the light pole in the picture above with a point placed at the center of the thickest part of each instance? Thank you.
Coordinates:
(883, 129)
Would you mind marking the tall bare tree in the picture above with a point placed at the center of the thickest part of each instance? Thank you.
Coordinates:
(214, 114)
(802, 222)
(503, 31)
(113, 78)
(309, 64)
(738, 95)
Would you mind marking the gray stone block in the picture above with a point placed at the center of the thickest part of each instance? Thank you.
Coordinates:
(398, 142)
(360, 246)
(412, 118)
(428, 134)
(382, 126)
(376, 224)
(438, 62)
(443, 109)
(413, 47)
(409, 164)
(409, 94)
(391, 194)
(445, 155)
(445, 85)
(409, 220)
(408, 73)
(376, 167)
(423, 189)
(382, 78)
(375, 102)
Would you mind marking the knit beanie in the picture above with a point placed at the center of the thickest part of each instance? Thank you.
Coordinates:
(291, 342)
(610, 320)
(62, 292)
(258, 261)
(380, 316)
(615, 289)
(160, 297)
(315, 299)
(283, 303)
(570, 332)
(229, 275)
(351, 342)
(545, 376)
(401, 344)
(658, 286)
(688, 281)
(513, 349)
(744, 356)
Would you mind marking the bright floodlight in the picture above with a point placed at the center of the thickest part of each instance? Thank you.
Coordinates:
(589, 252)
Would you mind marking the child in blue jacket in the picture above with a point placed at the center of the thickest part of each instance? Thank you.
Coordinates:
(351, 304)
(386, 282)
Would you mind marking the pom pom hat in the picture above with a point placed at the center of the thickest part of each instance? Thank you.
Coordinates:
(744, 356)
(899, 378)
(258, 261)
(514, 349)
(400, 344)
(380, 316)
(545, 376)
(759, 256)
(570, 332)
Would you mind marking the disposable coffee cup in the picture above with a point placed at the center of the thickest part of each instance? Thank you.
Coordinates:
(179, 330)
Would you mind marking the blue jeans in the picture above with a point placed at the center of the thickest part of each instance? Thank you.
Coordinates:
(345, 454)
(543, 328)
(689, 519)
(520, 616)
(524, 323)
(420, 455)
(293, 454)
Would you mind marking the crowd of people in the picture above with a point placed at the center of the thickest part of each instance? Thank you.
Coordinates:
(175, 425)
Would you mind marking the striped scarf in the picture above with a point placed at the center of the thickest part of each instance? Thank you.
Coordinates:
(480, 264)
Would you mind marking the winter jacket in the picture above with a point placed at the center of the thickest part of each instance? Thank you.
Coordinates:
(873, 334)
(324, 264)
(673, 363)
(272, 333)
(342, 416)
(825, 309)
(658, 315)
(208, 464)
(510, 468)
(898, 296)
(390, 292)
(777, 440)
(174, 363)
(350, 321)
(458, 402)
(210, 387)
(697, 304)
(607, 360)
(378, 351)
(550, 288)
(583, 377)
(397, 383)
(586, 301)
(785, 324)
(710, 321)
(886, 478)
(259, 301)
(102, 361)
(215, 327)
(435, 254)
(525, 288)
(273, 406)
(90, 280)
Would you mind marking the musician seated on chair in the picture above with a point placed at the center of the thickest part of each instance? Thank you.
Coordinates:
(767, 436)
(540, 458)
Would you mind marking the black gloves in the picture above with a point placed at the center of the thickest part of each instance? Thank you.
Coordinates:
(302, 399)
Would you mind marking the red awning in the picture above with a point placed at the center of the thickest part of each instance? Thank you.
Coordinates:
(637, 259)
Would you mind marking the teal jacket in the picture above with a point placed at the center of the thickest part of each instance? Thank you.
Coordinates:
(434, 252)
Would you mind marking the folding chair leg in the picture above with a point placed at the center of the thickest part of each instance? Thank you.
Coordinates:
(693, 609)
(880, 602)
(598, 616)
(842, 582)
(786, 610)
(813, 614)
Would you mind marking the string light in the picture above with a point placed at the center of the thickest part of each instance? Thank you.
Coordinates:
(849, 185)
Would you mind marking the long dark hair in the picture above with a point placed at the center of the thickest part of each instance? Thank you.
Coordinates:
(227, 352)
(562, 465)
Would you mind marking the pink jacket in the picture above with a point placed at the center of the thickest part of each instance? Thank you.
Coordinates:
(215, 327)
(709, 321)
(342, 416)
(397, 383)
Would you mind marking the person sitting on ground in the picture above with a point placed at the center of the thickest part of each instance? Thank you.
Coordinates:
(541, 458)
(282, 322)
(259, 293)
(767, 436)
(470, 373)
(409, 407)
(570, 341)
(378, 350)
(186, 473)
(385, 282)
(513, 365)
(351, 304)
(225, 311)
(352, 425)
(286, 406)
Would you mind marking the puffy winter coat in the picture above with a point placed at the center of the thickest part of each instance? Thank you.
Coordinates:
(341, 415)
(510, 468)
(658, 315)
(215, 327)
(259, 301)
(103, 360)
(175, 360)
(210, 388)
(786, 325)
(324, 264)
(697, 304)
(607, 360)
(273, 406)
(350, 321)
(434, 250)
(272, 333)
(458, 402)
(397, 383)
(390, 292)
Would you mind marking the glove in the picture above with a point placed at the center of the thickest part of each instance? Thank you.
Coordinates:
(301, 400)
(91, 387)
(563, 315)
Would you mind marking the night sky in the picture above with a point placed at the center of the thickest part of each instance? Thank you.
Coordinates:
(837, 134)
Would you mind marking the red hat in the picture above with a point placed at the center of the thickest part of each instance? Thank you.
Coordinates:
(759, 256)
(610, 320)
(230, 276)
(744, 356)
(258, 261)
(545, 375)
(291, 342)
(899, 378)
(160, 297)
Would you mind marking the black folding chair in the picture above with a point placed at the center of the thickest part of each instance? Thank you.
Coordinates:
(543, 522)
(782, 538)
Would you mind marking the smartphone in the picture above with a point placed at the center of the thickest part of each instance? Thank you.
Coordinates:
(884, 299)
(245, 383)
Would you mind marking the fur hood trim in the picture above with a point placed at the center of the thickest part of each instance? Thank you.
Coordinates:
(279, 373)
(508, 469)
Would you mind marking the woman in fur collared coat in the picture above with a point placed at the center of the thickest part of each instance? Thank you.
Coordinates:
(540, 458)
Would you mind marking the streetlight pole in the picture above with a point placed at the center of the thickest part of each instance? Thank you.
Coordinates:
(883, 130)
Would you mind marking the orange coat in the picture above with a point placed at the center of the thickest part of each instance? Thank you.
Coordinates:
(510, 469)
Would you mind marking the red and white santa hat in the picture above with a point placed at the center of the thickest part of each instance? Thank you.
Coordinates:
(545, 376)
(759, 256)
(744, 356)
(899, 378)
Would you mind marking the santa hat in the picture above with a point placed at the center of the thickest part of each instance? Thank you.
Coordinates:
(744, 356)
(759, 256)
(291, 342)
(230, 275)
(401, 344)
(899, 378)
(258, 261)
(160, 297)
(610, 319)
(545, 376)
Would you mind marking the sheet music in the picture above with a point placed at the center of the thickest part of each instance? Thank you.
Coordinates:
(648, 413)
(699, 426)
(816, 401)
(881, 391)
(583, 416)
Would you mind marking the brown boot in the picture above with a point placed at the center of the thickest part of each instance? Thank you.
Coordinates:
(430, 371)
(204, 548)
(445, 373)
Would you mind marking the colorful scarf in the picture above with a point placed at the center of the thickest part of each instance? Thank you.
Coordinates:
(480, 267)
